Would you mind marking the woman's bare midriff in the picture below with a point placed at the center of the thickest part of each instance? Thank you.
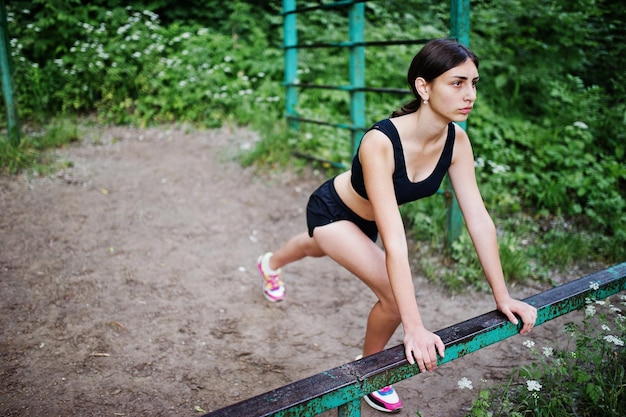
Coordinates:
(350, 198)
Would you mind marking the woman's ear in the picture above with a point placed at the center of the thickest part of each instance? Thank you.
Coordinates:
(422, 87)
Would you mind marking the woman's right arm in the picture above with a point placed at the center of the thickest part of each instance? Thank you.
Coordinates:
(376, 155)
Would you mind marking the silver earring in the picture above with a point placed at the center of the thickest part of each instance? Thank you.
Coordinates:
(425, 101)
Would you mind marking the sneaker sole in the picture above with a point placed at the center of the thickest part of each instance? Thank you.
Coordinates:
(375, 406)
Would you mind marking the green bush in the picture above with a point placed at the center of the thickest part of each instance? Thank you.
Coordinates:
(585, 376)
(549, 134)
(131, 69)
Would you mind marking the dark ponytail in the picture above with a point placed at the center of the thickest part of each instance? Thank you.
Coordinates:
(410, 107)
(435, 58)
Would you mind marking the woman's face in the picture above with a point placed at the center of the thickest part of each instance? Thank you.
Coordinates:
(453, 93)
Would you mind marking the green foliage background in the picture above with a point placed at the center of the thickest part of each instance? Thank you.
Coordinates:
(548, 129)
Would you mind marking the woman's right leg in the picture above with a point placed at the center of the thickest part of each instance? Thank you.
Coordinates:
(269, 263)
(296, 248)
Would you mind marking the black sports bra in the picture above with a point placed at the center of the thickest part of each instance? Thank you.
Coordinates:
(406, 190)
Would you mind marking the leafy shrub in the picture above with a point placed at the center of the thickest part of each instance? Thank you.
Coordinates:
(584, 377)
(210, 66)
(132, 69)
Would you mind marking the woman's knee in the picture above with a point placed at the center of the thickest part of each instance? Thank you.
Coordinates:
(309, 246)
(389, 307)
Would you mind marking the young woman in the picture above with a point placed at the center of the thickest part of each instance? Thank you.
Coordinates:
(402, 159)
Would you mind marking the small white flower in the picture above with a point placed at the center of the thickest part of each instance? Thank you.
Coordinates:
(594, 285)
(548, 351)
(529, 344)
(606, 328)
(600, 302)
(612, 339)
(590, 311)
(465, 383)
(497, 168)
(533, 385)
(581, 125)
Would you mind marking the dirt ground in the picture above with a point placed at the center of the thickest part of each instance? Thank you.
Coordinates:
(128, 287)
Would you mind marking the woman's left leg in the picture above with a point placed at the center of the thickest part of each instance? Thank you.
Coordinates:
(347, 245)
(344, 242)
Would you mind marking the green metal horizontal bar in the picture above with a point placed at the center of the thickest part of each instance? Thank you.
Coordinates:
(348, 383)
(325, 87)
(326, 6)
(320, 122)
(322, 160)
(348, 44)
(340, 165)
(402, 91)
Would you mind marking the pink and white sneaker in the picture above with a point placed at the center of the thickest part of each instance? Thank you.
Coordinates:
(273, 287)
(385, 400)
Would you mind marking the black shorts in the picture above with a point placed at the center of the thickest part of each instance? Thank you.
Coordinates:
(326, 207)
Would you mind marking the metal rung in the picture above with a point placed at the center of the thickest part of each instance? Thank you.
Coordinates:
(326, 6)
(347, 44)
(403, 91)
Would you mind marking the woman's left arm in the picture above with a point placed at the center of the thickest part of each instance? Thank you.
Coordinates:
(482, 231)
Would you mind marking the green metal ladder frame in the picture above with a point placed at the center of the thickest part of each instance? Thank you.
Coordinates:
(459, 29)
(6, 74)
(343, 387)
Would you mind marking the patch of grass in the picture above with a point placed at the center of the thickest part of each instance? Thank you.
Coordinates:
(530, 248)
(561, 246)
(33, 153)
